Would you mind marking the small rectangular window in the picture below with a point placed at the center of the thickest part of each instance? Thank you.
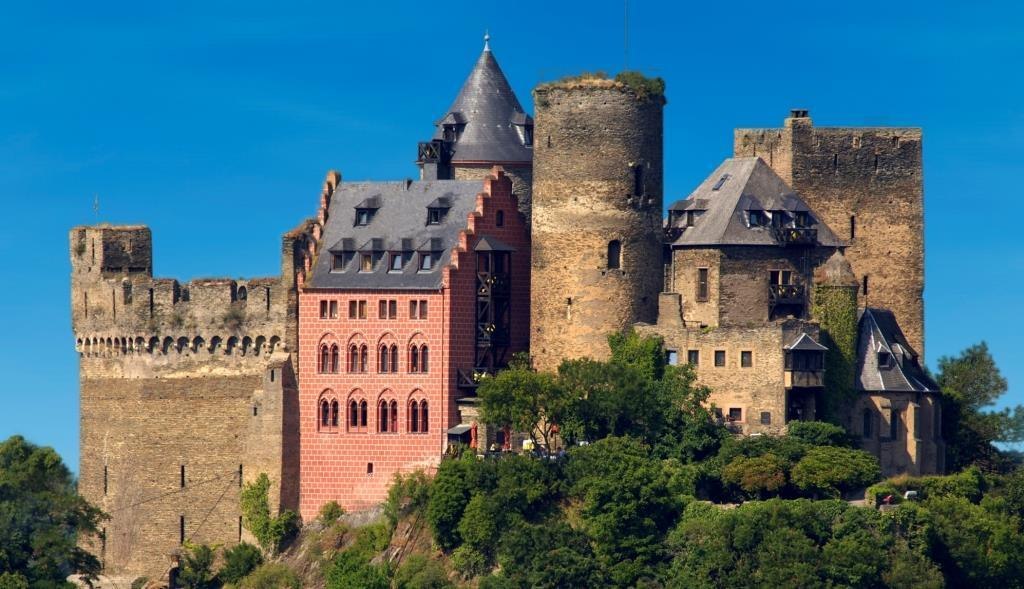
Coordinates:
(671, 357)
(396, 262)
(693, 357)
(894, 423)
(369, 468)
(414, 310)
(323, 309)
(382, 311)
(702, 285)
(766, 418)
(638, 180)
(353, 309)
(337, 262)
(392, 309)
(746, 359)
(735, 414)
(423, 309)
(333, 310)
(719, 358)
(366, 262)
(434, 217)
(362, 309)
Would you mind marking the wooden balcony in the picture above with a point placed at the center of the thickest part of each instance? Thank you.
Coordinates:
(796, 235)
(803, 378)
(786, 294)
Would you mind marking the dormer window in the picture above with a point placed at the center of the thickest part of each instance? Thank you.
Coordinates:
(366, 210)
(757, 218)
(885, 360)
(437, 210)
(396, 262)
(366, 262)
(342, 254)
(426, 261)
(802, 219)
(449, 133)
(691, 217)
(338, 262)
(434, 216)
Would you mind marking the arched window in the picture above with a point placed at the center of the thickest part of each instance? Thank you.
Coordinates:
(325, 413)
(423, 359)
(335, 359)
(394, 358)
(414, 359)
(325, 359)
(867, 423)
(394, 417)
(383, 356)
(362, 413)
(353, 414)
(423, 416)
(414, 416)
(353, 358)
(334, 413)
(614, 254)
(364, 355)
(382, 412)
(243, 294)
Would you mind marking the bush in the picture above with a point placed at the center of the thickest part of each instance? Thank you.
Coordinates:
(820, 433)
(468, 561)
(272, 575)
(352, 569)
(830, 471)
(197, 567)
(11, 580)
(420, 572)
(330, 512)
(449, 495)
(479, 526)
(759, 476)
(969, 484)
(239, 561)
(408, 493)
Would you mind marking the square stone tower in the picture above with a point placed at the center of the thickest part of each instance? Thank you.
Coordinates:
(867, 184)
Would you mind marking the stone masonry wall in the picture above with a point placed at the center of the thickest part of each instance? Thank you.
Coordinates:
(591, 144)
(918, 448)
(521, 176)
(867, 184)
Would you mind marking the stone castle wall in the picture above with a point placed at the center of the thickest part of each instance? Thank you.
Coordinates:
(867, 185)
(593, 145)
(521, 176)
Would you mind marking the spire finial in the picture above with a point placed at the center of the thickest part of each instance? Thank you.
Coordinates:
(487, 40)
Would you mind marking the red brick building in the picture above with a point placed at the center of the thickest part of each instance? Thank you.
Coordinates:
(415, 287)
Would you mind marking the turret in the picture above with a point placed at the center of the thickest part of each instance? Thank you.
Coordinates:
(597, 213)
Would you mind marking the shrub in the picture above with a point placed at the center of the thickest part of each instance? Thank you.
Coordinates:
(758, 476)
(239, 561)
(820, 433)
(449, 496)
(9, 580)
(830, 471)
(408, 493)
(479, 526)
(271, 575)
(352, 568)
(469, 561)
(420, 572)
(330, 512)
(197, 567)
(643, 86)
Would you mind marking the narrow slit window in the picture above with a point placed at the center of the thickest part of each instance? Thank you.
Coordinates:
(864, 285)
(853, 226)
(638, 180)
(702, 285)
(614, 254)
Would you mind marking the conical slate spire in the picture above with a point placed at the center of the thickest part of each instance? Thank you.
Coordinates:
(486, 123)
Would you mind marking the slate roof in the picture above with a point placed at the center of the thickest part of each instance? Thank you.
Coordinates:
(806, 343)
(879, 333)
(737, 186)
(490, 113)
(398, 224)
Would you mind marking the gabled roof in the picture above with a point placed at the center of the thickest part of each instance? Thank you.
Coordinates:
(879, 333)
(400, 224)
(488, 111)
(737, 186)
(806, 343)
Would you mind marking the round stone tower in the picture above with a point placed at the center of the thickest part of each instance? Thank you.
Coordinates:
(597, 213)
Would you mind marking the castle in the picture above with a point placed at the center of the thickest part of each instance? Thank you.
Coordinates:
(791, 279)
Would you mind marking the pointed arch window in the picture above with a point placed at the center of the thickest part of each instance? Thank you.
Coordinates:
(364, 355)
(353, 415)
(394, 417)
(423, 358)
(324, 364)
(414, 359)
(423, 417)
(394, 358)
(384, 356)
(325, 414)
(363, 410)
(334, 413)
(335, 359)
(414, 416)
(353, 358)
(382, 413)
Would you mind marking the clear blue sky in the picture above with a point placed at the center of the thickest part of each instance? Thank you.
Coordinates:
(215, 125)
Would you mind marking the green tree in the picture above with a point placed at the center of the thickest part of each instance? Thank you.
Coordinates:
(977, 547)
(420, 572)
(449, 494)
(270, 532)
(830, 471)
(759, 476)
(239, 561)
(42, 518)
(197, 567)
(971, 384)
(545, 556)
(526, 401)
(820, 433)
